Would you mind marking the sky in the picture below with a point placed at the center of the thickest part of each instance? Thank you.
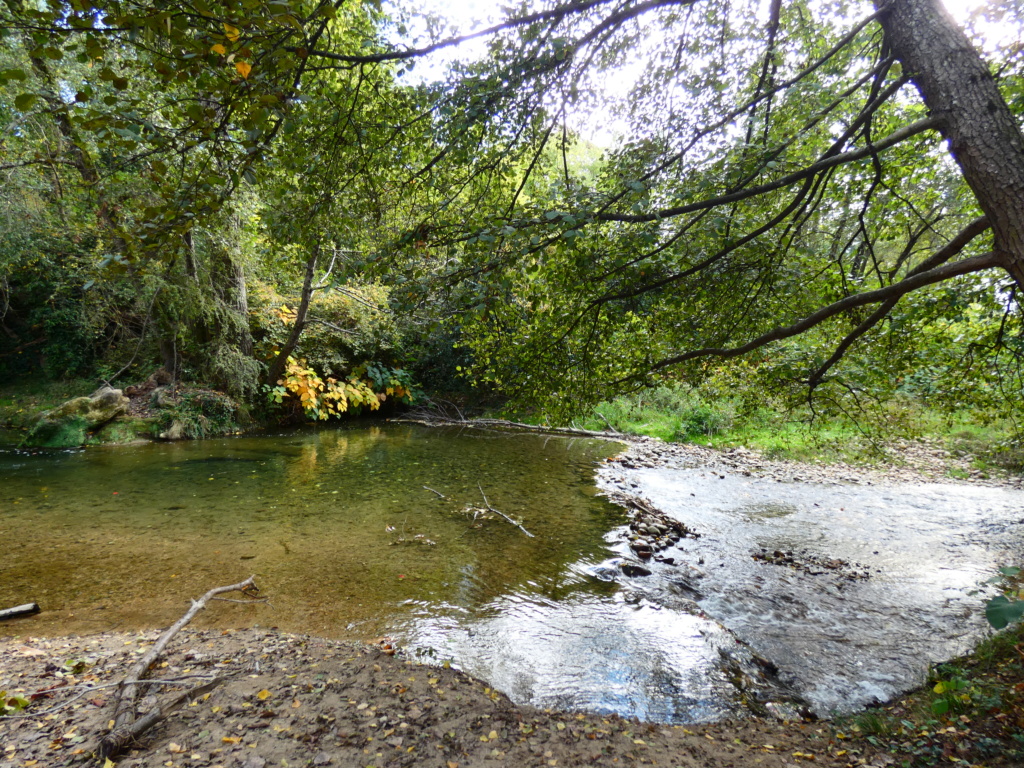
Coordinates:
(465, 16)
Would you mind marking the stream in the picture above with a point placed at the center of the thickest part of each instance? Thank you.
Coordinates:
(794, 595)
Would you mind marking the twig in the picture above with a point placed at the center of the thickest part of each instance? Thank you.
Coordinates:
(125, 728)
(433, 491)
(499, 512)
(93, 688)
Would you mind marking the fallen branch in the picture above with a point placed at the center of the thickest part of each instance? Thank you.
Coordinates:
(126, 728)
(499, 512)
(28, 609)
(428, 488)
(442, 420)
(117, 740)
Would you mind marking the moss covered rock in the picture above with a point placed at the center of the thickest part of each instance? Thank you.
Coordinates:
(70, 424)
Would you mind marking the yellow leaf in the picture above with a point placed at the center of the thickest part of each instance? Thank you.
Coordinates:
(243, 69)
(108, 763)
(263, 695)
(296, 704)
(218, 48)
(231, 32)
(231, 739)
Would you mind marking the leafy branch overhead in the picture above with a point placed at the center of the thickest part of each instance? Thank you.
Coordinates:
(815, 188)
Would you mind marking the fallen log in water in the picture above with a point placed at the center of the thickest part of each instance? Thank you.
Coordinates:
(28, 609)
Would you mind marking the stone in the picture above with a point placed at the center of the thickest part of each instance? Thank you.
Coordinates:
(629, 569)
(69, 424)
(176, 431)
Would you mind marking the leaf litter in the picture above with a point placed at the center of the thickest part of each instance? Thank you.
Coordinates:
(293, 700)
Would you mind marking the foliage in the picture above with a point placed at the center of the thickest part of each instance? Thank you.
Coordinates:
(323, 398)
(670, 412)
(1002, 610)
(12, 703)
(170, 164)
(347, 325)
(201, 413)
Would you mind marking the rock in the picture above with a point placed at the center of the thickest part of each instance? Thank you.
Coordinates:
(69, 424)
(629, 569)
(162, 397)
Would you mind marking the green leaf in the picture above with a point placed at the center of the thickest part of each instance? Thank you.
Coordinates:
(7, 75)
(1001, 611)
(25, 100)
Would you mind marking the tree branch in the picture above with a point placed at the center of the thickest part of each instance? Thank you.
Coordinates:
(556, 14)
(891, 140)
(941, 256)
(905, 286)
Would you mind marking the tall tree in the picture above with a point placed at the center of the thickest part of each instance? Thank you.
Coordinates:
(780, 178)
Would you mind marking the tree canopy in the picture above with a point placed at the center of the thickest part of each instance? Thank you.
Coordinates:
(831, 191)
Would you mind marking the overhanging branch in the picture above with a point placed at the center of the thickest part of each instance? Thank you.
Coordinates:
(824, 164)
(905, 286)
(941, 256)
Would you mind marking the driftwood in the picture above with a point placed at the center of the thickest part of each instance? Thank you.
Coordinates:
(28, 609)
(126, 727)
(499, 512)
(432, 420)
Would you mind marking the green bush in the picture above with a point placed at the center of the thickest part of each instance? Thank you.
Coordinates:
(201, 413)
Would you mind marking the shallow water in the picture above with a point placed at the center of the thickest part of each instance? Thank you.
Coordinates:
(843, 635)
(381, 531)
(346, 540)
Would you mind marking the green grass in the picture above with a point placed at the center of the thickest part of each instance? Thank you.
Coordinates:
(23, 400)
(686, 414)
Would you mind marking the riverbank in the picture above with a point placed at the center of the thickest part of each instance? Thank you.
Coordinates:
(920, 462)
(296, 700)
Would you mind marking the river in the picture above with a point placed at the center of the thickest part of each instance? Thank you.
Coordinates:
(384, 531)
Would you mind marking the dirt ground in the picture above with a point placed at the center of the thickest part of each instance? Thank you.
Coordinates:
(290, 700)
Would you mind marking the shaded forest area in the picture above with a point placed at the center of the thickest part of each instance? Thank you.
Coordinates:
(319, 209)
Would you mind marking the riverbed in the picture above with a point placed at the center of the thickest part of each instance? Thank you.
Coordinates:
(498, 554)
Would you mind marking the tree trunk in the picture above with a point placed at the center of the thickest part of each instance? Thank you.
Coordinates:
(277, 367)
(983, 135)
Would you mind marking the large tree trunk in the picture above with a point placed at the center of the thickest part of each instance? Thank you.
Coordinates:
(983, 135)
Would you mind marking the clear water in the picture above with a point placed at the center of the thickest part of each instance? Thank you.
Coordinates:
(841, 640)
(346, 541)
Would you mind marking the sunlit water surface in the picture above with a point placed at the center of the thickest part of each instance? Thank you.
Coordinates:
(347, 539)
(876, 582)
(379, 531)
